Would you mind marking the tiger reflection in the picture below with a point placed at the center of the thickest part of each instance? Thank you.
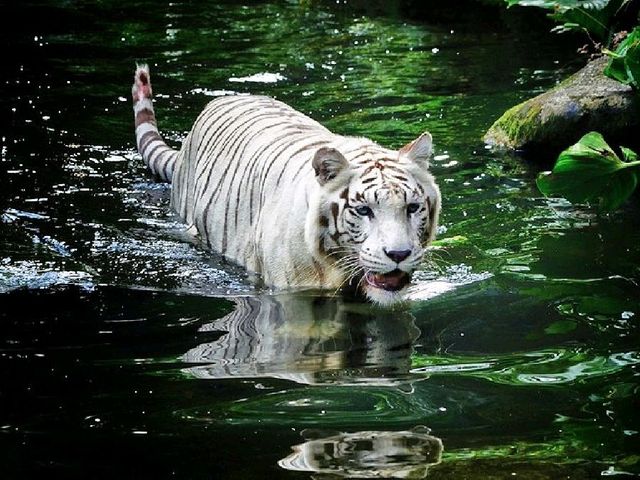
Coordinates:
(368, 454)
(308, 340)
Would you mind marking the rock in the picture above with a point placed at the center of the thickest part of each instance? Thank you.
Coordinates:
(556, 119)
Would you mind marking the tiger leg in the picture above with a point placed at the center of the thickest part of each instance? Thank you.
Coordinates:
(160, 158)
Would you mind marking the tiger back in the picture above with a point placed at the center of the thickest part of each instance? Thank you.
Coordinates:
(242, 172)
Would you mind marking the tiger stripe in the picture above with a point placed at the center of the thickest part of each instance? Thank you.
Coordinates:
(241, 186)
(157, 155)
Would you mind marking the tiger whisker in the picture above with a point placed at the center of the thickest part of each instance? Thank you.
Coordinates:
(355, 270)
(348, 264)
(367, 272)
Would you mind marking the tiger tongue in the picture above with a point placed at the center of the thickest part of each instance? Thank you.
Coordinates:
(392, 281)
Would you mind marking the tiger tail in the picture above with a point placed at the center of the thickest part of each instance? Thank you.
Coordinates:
(157, 155)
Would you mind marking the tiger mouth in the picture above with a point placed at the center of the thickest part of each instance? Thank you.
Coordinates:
(390, 281)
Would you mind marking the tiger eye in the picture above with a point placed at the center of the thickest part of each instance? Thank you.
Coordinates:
(412, 208)
(364, 211)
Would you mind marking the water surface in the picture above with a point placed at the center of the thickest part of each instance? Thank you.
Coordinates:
(129, 351)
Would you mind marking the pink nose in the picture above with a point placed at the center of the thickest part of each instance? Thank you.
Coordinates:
(398, 255)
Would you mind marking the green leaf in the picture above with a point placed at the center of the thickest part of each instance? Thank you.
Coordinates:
(556, 4)
(580, 18)
(621, 186)
(594, 16)
(629, 155)
(590, 171)
(616, 70)
(632, 61)
(624, 65)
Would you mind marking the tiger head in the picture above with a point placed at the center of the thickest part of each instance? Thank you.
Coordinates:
(377, 210)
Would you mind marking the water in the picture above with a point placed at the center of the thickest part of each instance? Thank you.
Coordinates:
(129, 352)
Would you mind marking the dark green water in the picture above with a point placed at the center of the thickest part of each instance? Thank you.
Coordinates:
(127, 352)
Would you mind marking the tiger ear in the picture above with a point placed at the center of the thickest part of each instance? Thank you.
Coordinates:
(420, 149)
(328, 163)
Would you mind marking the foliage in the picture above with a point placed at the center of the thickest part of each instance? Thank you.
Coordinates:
(591, 171)
(625, 61)
(555, 4)
(596, 17)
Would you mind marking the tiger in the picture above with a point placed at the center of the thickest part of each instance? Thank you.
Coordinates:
(276, 192)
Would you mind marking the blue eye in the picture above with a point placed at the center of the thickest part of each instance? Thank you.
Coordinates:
(364, 211)
(412, 208)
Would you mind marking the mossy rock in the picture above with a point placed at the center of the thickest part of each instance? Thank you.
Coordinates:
(584, 102)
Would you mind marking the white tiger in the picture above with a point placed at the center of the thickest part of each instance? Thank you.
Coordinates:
(276, 192)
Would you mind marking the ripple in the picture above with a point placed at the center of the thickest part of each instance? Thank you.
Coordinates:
(214, 93)
(428, 285)
(263, 77)
(154, 259)
(10, 215)
(322, 406)
(548, 367)
(32, 274)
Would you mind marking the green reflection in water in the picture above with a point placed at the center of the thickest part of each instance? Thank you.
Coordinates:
(575, 442)
(324, 406)
(550, 367)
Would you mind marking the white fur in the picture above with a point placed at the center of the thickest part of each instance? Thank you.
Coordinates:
(276, 192)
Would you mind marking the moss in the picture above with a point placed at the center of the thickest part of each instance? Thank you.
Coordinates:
(517, 125)
(553, 120)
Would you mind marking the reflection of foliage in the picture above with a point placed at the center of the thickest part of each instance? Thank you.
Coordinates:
(324, 407)
(578, 441)
(552, 367)
(591, 171)
(575, 441)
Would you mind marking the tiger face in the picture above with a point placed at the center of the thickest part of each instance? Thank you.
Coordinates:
(378, 211)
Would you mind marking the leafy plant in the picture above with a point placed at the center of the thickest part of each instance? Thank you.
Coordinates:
(590, 171)
(596, 17)
(625, 61)
(559, 3)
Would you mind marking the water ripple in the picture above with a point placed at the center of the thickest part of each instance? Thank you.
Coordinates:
(37, 275)
(548, 367)
(322, 406)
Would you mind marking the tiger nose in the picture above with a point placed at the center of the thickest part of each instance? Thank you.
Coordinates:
(398, 255)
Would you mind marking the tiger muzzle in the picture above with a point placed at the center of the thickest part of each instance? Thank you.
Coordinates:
(391, 281)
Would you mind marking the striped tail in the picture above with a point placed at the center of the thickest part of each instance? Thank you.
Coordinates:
(160, 158)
